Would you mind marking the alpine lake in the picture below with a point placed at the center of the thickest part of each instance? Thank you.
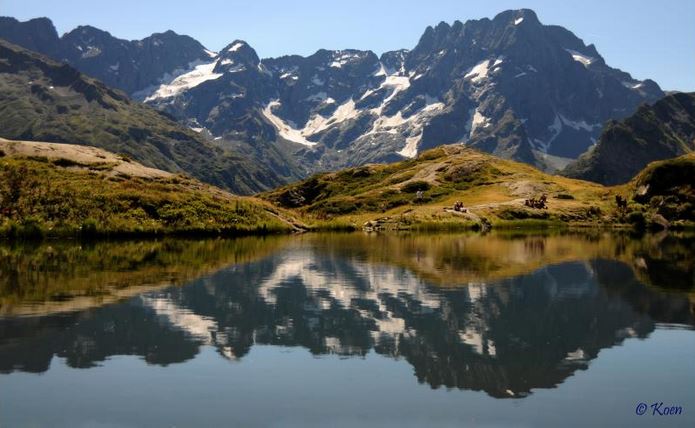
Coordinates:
(542, 329)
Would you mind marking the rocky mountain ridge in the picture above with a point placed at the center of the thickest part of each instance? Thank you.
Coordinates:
(510, 86)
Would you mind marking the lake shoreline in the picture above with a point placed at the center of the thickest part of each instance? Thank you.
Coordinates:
(33, 231)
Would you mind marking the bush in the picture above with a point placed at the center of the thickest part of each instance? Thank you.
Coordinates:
(593, 211)
(415, 186)
(637, 219)
(522, 214)
(89, 227)
(339, 206)
(65, 163)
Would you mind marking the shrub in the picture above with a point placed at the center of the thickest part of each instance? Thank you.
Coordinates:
(339, 206)
(415, 186)
(593, 211)
(521, 214)
(637, 219)
(89, 227)
(31, 228)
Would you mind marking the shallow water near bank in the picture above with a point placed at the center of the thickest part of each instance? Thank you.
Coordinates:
(349, 329)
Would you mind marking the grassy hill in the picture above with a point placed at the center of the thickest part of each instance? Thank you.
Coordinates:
(44, 100)
(493, 191)
(667, 188)
(59, 189)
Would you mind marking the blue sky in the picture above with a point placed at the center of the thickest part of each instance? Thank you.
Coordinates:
(645, 38)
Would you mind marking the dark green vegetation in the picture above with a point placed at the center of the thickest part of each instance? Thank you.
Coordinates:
(59, 197)
(665, 192)
(660, 131)
(42, 100)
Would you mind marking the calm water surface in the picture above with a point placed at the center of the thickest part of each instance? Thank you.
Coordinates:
(349, 330)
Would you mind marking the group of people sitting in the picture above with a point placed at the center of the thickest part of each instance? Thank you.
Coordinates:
(540, 203)
(458, 207)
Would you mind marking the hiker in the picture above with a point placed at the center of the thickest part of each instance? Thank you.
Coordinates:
(621, 202)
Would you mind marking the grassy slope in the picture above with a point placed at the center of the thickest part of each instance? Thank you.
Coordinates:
(61, 196)
(492, 189)
(666, 188)
(46, 101)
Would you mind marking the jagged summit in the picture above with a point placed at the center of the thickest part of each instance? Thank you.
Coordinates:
(510, 85)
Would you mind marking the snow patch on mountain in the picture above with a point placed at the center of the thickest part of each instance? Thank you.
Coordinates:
(285, 130)
(635, 84)
(343, 58)
(173, 84)
(396, 84)
(585, 60)
(478, 72)
(479, 121)
(315, 124)
(579, 125)
(236, 46)
(344, 112)
(90, 51)
(410, 149)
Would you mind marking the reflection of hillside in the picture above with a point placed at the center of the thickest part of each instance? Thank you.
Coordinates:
(453, 260)
(505, 337)
(69, 276)
(667, 262)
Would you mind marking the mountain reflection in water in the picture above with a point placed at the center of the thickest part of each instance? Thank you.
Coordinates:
(499, 314)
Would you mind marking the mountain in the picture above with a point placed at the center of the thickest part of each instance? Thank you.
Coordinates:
(46, 101)
(510, 86)
(663, 130)
(131, 66)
